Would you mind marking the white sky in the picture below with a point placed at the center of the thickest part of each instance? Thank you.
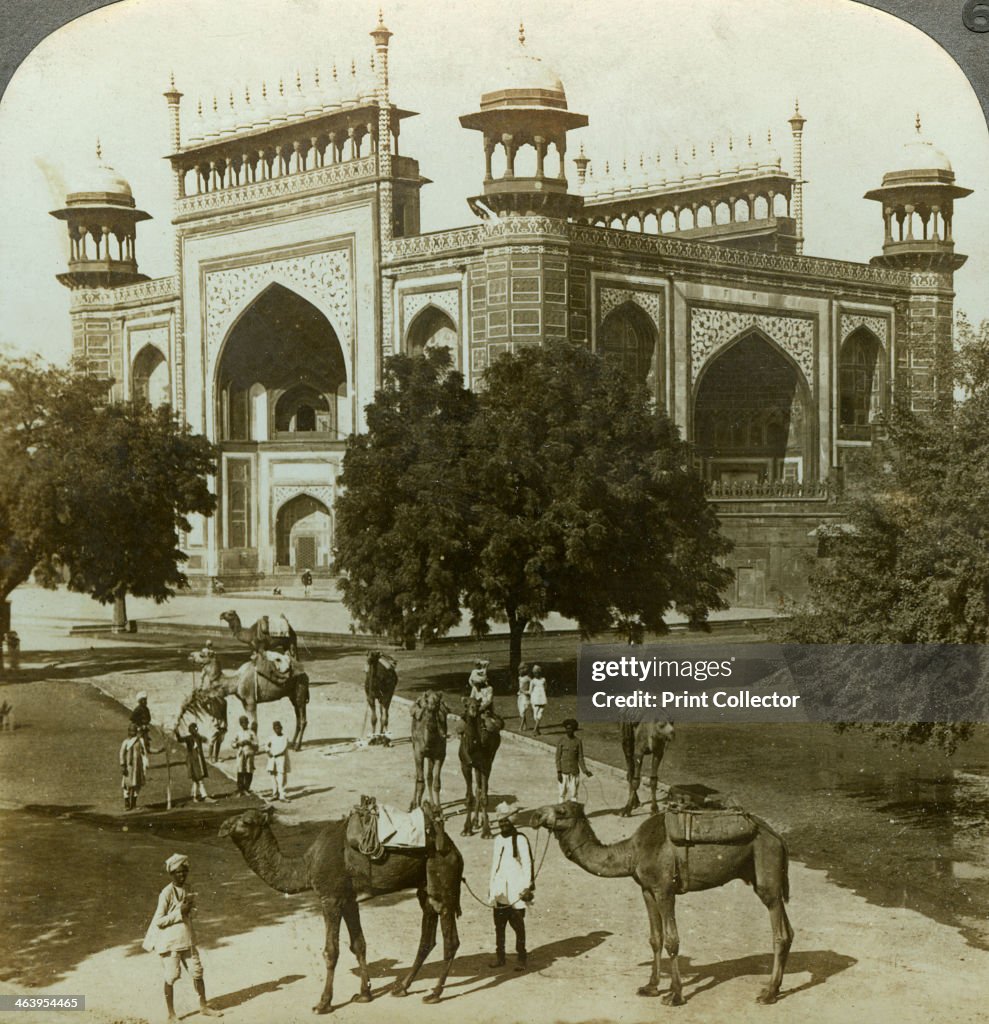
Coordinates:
(650, 75)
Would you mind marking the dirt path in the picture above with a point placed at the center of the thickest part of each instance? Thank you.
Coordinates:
(94, 886)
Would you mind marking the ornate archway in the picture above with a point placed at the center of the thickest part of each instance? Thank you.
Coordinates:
(628, 336)
(751, 415)
(303, 534)
(860, 384)
(149, 376)
(432, 328)
(281, 342)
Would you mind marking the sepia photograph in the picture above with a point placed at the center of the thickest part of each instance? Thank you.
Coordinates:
(412, 416)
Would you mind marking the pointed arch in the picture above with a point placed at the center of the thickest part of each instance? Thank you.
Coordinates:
(303, 533)
(149, 377)
(431, 328)
(861, 383)
(629, 336)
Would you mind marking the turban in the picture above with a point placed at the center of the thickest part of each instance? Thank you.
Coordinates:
(176, 861)
(142, 696)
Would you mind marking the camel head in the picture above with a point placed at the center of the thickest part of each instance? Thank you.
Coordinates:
(373, 657)
(471, 707)
(231, 618)
(245, 828)
(558, 817)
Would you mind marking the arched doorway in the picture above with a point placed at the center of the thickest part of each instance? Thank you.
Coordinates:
(629, 337)
(150, 377)
(751, 421)
(432, 328)
(303, 534)
(279, 344)
(860, 380)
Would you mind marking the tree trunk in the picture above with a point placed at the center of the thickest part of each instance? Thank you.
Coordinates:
(120, 610)
(516, 627)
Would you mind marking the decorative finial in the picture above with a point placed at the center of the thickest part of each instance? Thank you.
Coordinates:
(750, 140)
(381, 18)
(199, 107)
(917, 122)
(769, 136)
(247, 95)
(582, 153)
(99, 150)
(521, 33)
(316, 77)
(264, 92)
(171, 80)
(731, 144)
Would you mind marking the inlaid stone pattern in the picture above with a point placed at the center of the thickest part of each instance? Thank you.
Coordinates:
(448, 300)
(157, 336)
(712, 329)
(879, 326)
(281, 493)
(611, 298)
(322, 277)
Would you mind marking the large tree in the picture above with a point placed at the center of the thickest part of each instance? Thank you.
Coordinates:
(584, 502)
(401, 549)
(911, 563)
(94, 492)
(558, 488)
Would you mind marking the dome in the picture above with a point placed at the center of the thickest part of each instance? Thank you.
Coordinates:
(920, 154)
(103, 178)
(526, 73)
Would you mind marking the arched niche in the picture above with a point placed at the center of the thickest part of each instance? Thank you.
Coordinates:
(303, 534)
(752, 419)
(861, 384)
(302, 410)
(629, 337)
(279, 343)
(432, 328)
(149, 376)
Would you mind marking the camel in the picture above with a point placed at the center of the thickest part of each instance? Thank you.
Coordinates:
(664, 870)
(380, 681)
(258, 637)
(251, 688)
(480, 738)
(339, 874)
(429, 735)
(639, 739)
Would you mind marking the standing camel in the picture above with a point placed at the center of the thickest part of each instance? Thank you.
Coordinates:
(638, 740)
(650, 857)
(380, 681)
(258, 637)
(339, 874)
(480, 738)
(252, 687)
(429, 733)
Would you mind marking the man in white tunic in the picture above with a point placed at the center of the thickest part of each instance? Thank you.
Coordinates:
(512, 887)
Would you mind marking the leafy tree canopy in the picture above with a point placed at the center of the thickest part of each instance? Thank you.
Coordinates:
(98, 492)
(911, 564)
(557, 488)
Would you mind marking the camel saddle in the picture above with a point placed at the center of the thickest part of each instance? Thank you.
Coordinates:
(373, 830)
(690, 828)
(269, 667)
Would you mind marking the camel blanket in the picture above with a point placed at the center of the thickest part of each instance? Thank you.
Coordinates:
(373, 828)
(686, 828)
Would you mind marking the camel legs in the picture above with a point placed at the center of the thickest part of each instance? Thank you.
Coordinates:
(634, 778)
(656, 941)
(384, 717)
(671, 940)
(782, 939)
(301, 720)
(427, 940)
(352, 918)
(482, 801)
(654, 781)
(451, 943)
(373, 705)
(420, 786)
(468, 829)
(434, 768)
(331, 951)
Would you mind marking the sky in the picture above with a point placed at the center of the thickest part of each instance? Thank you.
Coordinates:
(650, 75)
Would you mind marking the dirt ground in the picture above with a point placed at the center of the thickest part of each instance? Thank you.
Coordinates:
(80, 878)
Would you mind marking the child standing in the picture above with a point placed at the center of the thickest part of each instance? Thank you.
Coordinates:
(133, 755)
(170, 935)
(524, 701)
(570, 761)
(537, 696)
(246, 745)
(278, 762)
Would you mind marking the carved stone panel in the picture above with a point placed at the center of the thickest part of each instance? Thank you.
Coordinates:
(448, 300)
(282, 493)
(609, 299)
(323, 278)
(879, 326)
(712, 329)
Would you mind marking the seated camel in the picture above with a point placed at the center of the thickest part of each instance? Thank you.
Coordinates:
(258, 681)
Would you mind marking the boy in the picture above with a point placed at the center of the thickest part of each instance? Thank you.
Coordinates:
(246, 745)
(133, 755)
(570, 761)
(195, 760)
(278, 764)
(524, 701)
(170, 935)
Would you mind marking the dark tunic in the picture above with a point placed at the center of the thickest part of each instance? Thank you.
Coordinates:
(195, 758)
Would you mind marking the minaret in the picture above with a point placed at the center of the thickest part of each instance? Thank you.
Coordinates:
(797, 123)
(381, 35)
(102, 218)
(581, 161)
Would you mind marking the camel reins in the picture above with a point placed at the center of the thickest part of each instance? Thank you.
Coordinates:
(535, 874)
